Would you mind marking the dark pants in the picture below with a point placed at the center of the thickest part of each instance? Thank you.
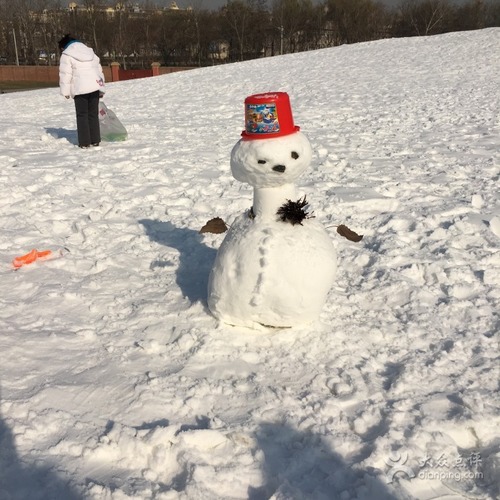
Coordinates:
(87, 118)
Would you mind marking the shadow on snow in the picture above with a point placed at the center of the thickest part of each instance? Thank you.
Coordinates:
(195, 258)
(20, 479)
(301, 465)
(63, 133)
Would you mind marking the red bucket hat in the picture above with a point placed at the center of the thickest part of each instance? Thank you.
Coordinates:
(268, 115)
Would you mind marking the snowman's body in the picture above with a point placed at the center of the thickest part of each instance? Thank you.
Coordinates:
(268, 271)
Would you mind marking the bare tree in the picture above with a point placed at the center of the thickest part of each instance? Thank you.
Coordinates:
(424, 17)
(49, 18)
(7, 50)
(248, 27)
(237, 17)
(23, 28)
(118, 39)
(175, 37)
(96, 21)
(492, 14)
(471, 15)
(288, 16)
(355, 20)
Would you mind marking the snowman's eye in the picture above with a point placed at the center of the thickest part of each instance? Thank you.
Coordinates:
(262, 162)
(295, 155)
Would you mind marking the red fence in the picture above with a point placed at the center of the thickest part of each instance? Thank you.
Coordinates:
(29, 74)
(130, 74)
(112, 73)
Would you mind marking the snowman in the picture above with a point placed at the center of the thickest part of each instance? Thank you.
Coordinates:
(277, 262)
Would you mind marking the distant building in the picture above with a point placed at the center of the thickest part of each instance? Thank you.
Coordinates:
(219, 50)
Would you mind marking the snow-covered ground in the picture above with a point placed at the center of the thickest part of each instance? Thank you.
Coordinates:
(117, 383)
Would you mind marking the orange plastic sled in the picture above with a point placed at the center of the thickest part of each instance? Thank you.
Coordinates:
(31, 257)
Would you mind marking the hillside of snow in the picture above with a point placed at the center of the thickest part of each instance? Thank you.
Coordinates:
(117, 383)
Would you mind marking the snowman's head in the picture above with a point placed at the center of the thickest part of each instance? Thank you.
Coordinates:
(271, 162)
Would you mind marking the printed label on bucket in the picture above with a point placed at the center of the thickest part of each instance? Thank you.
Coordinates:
(262, 119)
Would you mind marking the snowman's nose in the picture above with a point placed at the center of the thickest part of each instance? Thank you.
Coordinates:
(279, 168)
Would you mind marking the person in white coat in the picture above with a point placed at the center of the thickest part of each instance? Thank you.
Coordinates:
(81, 77)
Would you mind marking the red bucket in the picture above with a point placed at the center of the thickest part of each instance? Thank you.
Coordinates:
(268, 115)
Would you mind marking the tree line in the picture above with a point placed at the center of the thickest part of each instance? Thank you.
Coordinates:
(240, 30)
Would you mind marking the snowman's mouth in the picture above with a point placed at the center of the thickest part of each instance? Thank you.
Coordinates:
(279, 168)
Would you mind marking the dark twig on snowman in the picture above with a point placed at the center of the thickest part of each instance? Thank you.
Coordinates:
(294, 211)
(277, 263)
(291, 211)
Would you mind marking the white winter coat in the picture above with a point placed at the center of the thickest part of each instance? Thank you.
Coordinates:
(80, 70)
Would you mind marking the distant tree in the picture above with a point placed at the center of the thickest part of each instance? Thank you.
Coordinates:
(95, 22)
(201, 32)
(423, 17)
(35, 24)
(492, 14)
(468, 16)
(143, 38)
(237, 15)
(22, 29)
(50, 23)
(74, 22)
(293, 19)
(210, 33)
(356, 20)
(6, 35)
(175, 35)
(311, 28)
(120, 43)
(197, 37)
(319, 29)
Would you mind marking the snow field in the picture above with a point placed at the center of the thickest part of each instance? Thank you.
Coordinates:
(115, 380)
